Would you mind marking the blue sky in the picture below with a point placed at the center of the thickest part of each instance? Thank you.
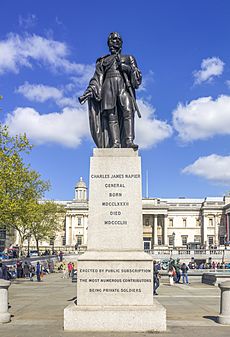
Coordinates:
(48, 51)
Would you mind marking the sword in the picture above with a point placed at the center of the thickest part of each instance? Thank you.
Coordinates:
(129, 87)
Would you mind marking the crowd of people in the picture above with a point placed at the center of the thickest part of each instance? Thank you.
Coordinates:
(26, 269)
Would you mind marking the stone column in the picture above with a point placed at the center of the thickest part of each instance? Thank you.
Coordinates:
(165, 231)
(70, 230)
(224, 317)
(67, 229)
(67, 223)
(73, 231)
(204, 230)
(4, 314)
(155, 230)
(85, 229)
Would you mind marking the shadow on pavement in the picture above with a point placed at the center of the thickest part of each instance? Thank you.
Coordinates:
(212, 318)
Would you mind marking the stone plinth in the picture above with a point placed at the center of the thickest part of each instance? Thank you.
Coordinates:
(224, 317)
(4, 314)
(115, 318)
(115, 276)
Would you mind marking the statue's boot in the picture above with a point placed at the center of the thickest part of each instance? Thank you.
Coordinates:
(129, 133)
(114, 134)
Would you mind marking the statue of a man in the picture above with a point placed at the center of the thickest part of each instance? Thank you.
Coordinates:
(111, 97)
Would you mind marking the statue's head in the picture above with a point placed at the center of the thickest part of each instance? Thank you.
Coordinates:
(115, 42)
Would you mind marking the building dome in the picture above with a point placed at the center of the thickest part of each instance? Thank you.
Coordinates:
(81, 183)
(81, 191)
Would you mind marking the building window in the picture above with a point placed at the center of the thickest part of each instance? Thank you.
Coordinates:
(159, 240)
(146, 222)
(210, 221)
(63, 241)
(147, 243)
(184, 222)
(79, 221)
(170, 222)
(222, 240)
(184, 240)
(171, 240)
(197, 222)
(210, 240)
(197, 238)
(79, 240)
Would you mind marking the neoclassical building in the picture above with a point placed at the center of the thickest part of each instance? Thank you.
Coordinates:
(166, 222)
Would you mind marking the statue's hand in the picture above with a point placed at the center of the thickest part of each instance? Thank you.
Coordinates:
(82, 99)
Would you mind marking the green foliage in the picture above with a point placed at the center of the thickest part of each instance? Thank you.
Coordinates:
(47, 221)
(20, 186)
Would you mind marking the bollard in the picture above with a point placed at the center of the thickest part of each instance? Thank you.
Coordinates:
(4, 314)
(224, 317)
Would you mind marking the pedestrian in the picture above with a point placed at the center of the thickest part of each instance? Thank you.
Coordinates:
(61, 256)
(26, 270)
(184, 270)
(156, 278)
(64, 271)
(4, 273)
(19, 269)
(31, 272)
(177, 269)
(38, 271)
(171, 274)
(70, 268)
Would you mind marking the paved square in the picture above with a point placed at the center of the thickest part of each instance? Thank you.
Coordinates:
(37, 309)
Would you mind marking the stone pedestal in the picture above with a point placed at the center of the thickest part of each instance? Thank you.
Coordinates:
(115, 276)
(4, 314)
(224, 317)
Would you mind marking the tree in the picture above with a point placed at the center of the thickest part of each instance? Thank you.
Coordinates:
(48, 220)
(20, 186)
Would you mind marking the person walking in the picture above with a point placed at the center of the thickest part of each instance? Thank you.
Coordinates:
(26, 270)
(4, 273)
(19, 269)
(171, 274)
(31, 272)
(38, 271)
(156, 277)
(70, 268)
(64, 271)
(184, 270)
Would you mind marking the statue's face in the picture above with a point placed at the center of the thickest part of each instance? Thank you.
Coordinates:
(114, 43)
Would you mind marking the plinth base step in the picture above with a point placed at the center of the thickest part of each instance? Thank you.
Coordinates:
(115, 318)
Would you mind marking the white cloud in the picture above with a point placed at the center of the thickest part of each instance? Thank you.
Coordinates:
(147, 79)
(149, 130)
(27, 21)
(228, 83)
(39, 92)
(70, 126)
(202, 118)
(67, 128)
(17, 52)
(210, 68)
(214, 168)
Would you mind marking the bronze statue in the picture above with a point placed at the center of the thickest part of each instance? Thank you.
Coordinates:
(111, 97)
